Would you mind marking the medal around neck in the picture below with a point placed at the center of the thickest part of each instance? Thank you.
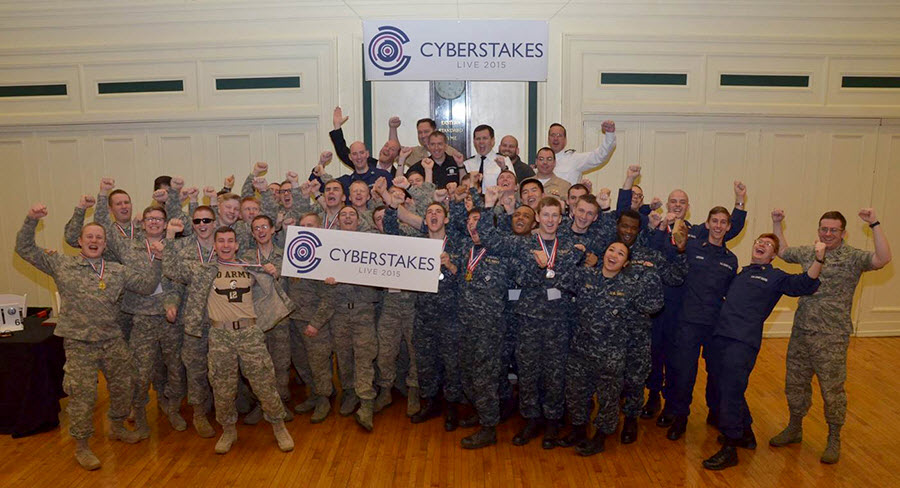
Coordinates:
(550, 274)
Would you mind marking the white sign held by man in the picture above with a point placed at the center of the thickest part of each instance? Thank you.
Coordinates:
(405, 263)
(490, 50)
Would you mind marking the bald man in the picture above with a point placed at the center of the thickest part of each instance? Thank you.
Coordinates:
(509, 147)
(386, 156)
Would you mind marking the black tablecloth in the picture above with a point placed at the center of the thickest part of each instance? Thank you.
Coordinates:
(31, 374)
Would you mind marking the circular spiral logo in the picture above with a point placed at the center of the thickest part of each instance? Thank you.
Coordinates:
(386, 50)
(301, 252)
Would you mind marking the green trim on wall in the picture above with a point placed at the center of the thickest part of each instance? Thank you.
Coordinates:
(676, 79)
(870, 82)
(367, 106)
(261, 83)
(33, 91)
(780, 81)
(532, 121)
(140, 86)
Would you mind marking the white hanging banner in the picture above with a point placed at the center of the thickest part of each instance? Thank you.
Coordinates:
(424, 50)
(403, 263)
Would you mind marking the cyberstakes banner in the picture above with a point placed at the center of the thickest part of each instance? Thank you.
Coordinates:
(403, 263)
(488, 50)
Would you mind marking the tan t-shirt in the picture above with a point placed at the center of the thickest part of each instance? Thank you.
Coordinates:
(231, 297)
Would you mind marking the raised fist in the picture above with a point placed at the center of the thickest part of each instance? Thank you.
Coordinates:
(260, 168)
(608, 126)
(588, 184)
(501, 162)
(325, 158)
(820, 250)
(106, 185)
(86, 201)
(655, 203)
(401, 182)
(37, 211)
(175, 226)
(394, 122)
(633, 171)
(603, 198)
(260, 184)
(318, 170)
(441, 195)
(210, 193)
(161, 196)
(458, 158)
(177, 183)
(740, 191)
(191, 193)
(428, 164)
(777, 215)
(229, 182)
(405, 152)
(868, 215)
(293, 178)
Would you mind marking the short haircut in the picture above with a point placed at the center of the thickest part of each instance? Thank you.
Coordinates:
(93, 224)
(204, 208)
(483, 127)
(718, 210)
(155, 208)
(515, 178)
(230, 196)
(438, 133)
(351, 208)
(410, 172)
(531, 181)
(379, 208)
(359, 182)
(443, 208)
(311, 214)
(428, 121)
(589, 199)
(263, 217)
(117, 191)
(161, 181)
(557, 124)
(475, 210)
(834, 215)
(249, 199)
(577, 186)
(631, 214)
(773, 238)
(545, 148)
(333, 182)
(224, 230)
(550, 202)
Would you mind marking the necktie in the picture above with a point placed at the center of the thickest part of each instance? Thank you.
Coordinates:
(481, 168)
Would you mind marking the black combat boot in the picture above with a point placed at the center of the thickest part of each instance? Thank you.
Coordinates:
(451, 417)
(485, 436)
(431, 408)
(629, 430)
(530, 431)
(591, 446)
(575, 436)
(551, 435)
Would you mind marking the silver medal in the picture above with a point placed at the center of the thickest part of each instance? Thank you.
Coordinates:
(441, 276)
(550, 274)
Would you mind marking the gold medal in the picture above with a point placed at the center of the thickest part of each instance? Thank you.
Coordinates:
(102, 285)
(469, 275)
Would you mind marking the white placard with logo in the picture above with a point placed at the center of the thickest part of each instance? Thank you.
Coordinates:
(489, 50)
(406, 263)
(12, 313)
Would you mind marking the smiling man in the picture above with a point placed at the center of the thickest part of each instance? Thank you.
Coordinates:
(571, 164)
(486, 161)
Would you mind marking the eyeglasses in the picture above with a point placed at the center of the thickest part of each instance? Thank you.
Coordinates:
(261, 227)
(204, 220)
(764, 242)
(279, 192)
(154, 219)
(830, 230)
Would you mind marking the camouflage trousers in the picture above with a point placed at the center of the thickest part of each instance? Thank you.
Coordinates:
(541, 350)
(244, 350)
(483, 373)
(395, 326)
(587, 375)
(436, 345)
(299, 353)
(151, 337)
(83, 360)
(508, 354)
(356, 347)
(637, 366)
(822, 355)
(278, 343)
(317, 350)
(195, 356)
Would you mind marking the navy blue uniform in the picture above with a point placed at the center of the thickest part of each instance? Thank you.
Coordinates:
(738, 335)
(710, 272)
(543, 311)
(666, 322)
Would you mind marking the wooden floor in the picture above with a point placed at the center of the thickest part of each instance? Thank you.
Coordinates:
(398, 454)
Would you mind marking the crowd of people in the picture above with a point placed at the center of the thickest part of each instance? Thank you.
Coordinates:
(549, 296)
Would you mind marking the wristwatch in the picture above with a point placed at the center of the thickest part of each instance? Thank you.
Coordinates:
(874, 224)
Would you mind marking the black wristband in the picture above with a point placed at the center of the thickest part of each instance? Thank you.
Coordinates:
(820, 261)
(874, 224)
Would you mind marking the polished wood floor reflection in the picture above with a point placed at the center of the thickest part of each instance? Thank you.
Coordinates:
(398, 454)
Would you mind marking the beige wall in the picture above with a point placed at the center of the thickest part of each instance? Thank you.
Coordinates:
(806, 150)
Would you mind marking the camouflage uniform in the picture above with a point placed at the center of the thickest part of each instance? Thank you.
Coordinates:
(544, 325)
(607, 308)
(670, 272)
(821, 332)
(278, 338)
(312, 354)
(435, 334)
(231, 348)
(92, 338)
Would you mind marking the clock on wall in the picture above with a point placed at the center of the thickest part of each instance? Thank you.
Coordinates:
(450, 111)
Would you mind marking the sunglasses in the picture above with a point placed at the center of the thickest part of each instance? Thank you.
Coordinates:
(204, 220)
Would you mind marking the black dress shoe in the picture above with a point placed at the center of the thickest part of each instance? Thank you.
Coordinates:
(725, 458)
(551, 435)
(665, 420)
(451, 418)
(629, 430)
(485, 436)
(679, 425)
(591, 446)
(530, 431)
(431, 408)
(747, 441)
(575, 436)
(652, 407)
